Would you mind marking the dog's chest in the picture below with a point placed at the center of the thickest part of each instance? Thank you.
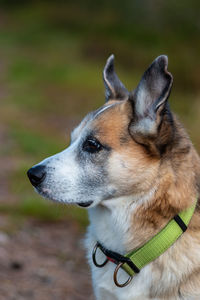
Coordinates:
(105, 288)
(113, 231)
(113, 235)
(143, 286)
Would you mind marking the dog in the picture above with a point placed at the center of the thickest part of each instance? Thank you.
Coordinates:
(133, 166)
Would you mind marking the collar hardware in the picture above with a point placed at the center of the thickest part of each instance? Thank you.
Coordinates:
(180, 222)
(113, 257)
(121, 285)
(135, 260)
(94, 257)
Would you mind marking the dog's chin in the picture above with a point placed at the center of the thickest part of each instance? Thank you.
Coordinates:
(46, 193)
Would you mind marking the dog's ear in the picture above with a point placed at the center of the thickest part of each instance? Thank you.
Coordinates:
(149, 100)
(114, 88)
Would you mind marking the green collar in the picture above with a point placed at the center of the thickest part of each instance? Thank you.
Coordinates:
(135, 260)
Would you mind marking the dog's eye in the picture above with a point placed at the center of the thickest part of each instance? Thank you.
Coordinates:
(92, 146)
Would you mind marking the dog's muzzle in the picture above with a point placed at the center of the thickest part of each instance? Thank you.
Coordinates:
(36, 175)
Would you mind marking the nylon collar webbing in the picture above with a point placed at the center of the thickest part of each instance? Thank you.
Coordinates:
(135, 260)
(161, 241)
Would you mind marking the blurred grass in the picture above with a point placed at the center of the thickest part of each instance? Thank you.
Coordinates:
(39, 208)
(33, 142)
(52, 56)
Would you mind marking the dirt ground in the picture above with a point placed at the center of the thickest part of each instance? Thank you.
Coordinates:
(42, 260)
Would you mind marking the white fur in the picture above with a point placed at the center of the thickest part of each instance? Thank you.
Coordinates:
(140, 105)
(110, 225)
(103, 109)
(60, 167)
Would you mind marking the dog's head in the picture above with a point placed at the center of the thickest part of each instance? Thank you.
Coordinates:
(116, 150)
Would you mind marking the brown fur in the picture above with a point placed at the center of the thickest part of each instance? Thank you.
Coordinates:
(177, 172)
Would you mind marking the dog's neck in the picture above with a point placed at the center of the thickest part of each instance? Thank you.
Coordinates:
(126, 223)
(114, 222)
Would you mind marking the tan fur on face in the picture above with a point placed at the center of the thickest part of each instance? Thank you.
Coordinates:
(129, 165)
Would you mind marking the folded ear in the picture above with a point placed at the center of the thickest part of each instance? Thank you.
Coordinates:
(114, 89)
(149, 99)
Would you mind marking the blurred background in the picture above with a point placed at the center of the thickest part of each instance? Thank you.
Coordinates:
(51, 58)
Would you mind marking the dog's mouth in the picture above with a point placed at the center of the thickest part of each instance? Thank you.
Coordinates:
(46, 193)
(85, 204)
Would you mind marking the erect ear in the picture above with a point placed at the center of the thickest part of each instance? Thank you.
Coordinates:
(114, 87)
(149, 100)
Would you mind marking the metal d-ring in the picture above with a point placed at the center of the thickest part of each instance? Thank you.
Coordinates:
(115, 277)
(94, 257)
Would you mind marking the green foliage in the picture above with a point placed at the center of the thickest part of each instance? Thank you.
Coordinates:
(34, 143)
(38, 208)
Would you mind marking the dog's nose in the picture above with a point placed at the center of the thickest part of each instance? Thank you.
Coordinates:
(36, 174)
